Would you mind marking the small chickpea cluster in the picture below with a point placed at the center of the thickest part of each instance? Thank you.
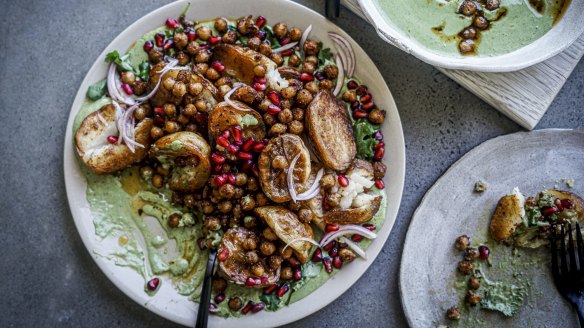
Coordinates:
(469, 35)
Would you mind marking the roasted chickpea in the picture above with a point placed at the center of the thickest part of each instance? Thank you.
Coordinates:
(469, 33)
(189, 200)
(156, 133)
(298, 114)
(246, 25)
(471, 254)
(155, 56)
(164, 171)
(203, 33)
(474, 282)
(274, 262)
(286, 103)
(286, 254)
(465, 267)
(183, 58)
(265, 49)
(142, 112)
(311, 48)
(277, 129)
(347, 255)
(235, 303)
(269, 234)
(296, 127)
(286, 273)
(328, 181)
(305, 215)
(212, 223)
(169, 109)
(333, 199)
(224, 89)
(468, 8)
(350, 96)
(466, 46)
(225, 206)
(179, 89)
(294, 61)
(259, 70)
(331, 71)
(251, 257)
(254, 43)
(227, 191)
(258, 269)
(240, 179)
(288, 92)
(480, 22)
(128, 77)
(139, 87)
(453, 313)
(212, 74)
(169, 83)
(146, 172)
(462, 242)
(189, 110)
(247, 203)
(264, 104)
(304, 97)
(308, 67)
(252, 184)
(201, 105)
(157, 181)
(280, 30)
(220, 24)
(250, 244)
(492, 4)
(473, 298)
(295, 34)
(174, 220)
(202, 56)
(180, 40)
(376, 116)
(193, 48)
(261, 199)
(311, 59)
(202, 68)
(326, 84)
(379, 170)
(191, 127)
(229, 37)
(267, 248)
(182, 119)
(277, 58)
(249, 222)
(171, 127)
(285, 116)
(219, 285)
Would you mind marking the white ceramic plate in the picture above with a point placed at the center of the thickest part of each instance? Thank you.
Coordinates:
(167, 302)
(528, 160)
(560, 37)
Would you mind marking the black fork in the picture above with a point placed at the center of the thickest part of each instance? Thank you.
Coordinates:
(567, 271)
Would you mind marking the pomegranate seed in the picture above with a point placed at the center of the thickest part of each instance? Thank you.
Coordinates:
(352, 85)
(263, 279)
(282, 290)
(247, 165)
(153, 284)
(356, 238)
(214, 40)
(219, 180)
(359, 113)
(484, 252)
(274, 97)
(231, 178)
(365, 98)
(244, 156)
(337, 262)
(222, 142)
(379, 184)
(305, 77)
(127, 89)
(327, 264)
(233, 149)
(258, 307)
(293, 262)
(268, 290)
(237, 135)
(201, 243)
(378, 135)
(258, 147)
(297, 274)
(191, 34)
(171, 22)
(148, 45)
(226, 134)
(287, 53)
(255, 170)
(379, 145)
(317, 255)
(329, 246)
(285, 41)
(158, 120)
(333, 252)
(217, 169)
(159, 39)
(223, 254)
(273, 109)
(247, 307)
(248, 144)
(548, 210)
(566, 203)
(343, 245)
(361, 90)
(250, 282)
(259, 86)
(112, 139)
(355, 104)
(318, 75)
(261, 34)
(216, 158)
(159, 111)
(260, 80)
(343, 181)
(331, 227)
(168, 44)
(379, 154)
(260, 21)
(216, 65)
(200, 117)
(369, 226)
(213, 308)
(368, 106)
(219, 298)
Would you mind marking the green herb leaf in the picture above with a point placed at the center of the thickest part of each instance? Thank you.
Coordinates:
(272, 302)
(364, 131)
(112, 56)
(498, 296)
(122, 62)
(144, 71)
(184, 12)
(324, 54)
(270, 36)
(97, 90)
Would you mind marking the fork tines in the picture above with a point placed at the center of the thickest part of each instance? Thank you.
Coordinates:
(567, 264)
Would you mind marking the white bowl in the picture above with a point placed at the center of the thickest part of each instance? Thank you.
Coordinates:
(561, 36)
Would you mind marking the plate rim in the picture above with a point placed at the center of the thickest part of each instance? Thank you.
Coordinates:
(71, 167)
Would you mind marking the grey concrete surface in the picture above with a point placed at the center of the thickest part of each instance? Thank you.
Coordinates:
(48, 278)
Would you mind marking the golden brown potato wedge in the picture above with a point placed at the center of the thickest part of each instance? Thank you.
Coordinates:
(235, 267)
(223, 117)
(102, 157)
(288, 72)
(165, 95)
(507, 217)
(189, 145)
(274, 180)
(288, 228)
(239, 62)
(330, 131)
(357, 215)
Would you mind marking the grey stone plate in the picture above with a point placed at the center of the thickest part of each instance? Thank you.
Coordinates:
(531, 161)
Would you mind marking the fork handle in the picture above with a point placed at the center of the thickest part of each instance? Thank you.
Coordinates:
(580, 310)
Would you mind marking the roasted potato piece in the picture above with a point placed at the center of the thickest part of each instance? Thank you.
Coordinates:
(288, 228)
(235, 267)
(288, 72)
(192, 176)
(361, 167)
(97, 153)
(223, 117)
(508, 216)
(164, 95)
(330, 131)
(248, 95)
(273, 178)
(369, 206)
(239, 62)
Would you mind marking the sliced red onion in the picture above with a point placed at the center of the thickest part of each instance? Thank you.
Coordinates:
(113, 87)
(125, 124)
(340, 77)
(286, 47)
(310, 240)
(304, 37)
(314, 189)
(354, 247)
(290, 178)
(170, 66)
(347, 229)
(345, 45)
(227, 96)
